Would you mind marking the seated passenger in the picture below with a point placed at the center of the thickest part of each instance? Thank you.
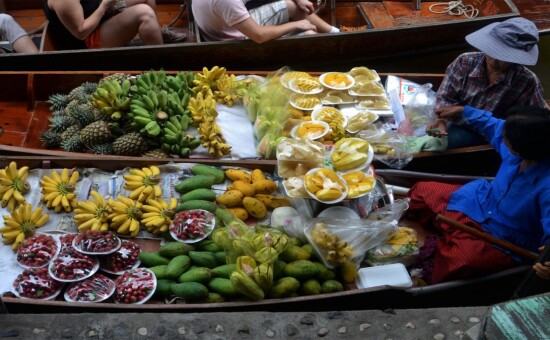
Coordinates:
(231, 20)
(84, 23)
(16, 35)
(514, 206)
(493, 79)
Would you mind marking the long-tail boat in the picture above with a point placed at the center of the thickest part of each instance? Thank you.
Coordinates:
(486, 290)
(371, 31)
(25, 111)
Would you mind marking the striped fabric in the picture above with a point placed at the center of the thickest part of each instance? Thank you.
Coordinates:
(458, 255)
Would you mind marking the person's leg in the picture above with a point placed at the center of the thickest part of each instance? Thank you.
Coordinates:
(296, 13)
(459, 136)
(122, 28)
(16, 35)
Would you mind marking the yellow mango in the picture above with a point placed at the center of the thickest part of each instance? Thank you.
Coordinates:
(254, 207)
(264, 186)
(238, 175)
(239, 212)
(230, 198)
(245, 187)
(328, 194)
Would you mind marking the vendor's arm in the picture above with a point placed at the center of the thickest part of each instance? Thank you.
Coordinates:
(484, 122)
(261, 34)
(72, 16)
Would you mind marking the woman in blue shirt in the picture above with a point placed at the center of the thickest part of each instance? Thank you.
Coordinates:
(514, 206)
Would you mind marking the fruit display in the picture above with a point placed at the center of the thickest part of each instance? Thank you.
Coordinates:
(37, 251)
(304, 102)
(325, 185)
(58, 190)
(363, 73)
(368, 89)
(359, 183)
(94, 289)
(135, 286)
(191, 226)
(13, 185)
(124, 258)
(350, 153)
(92, 242)
(71, 265)
(66, 241)
(297, 157)
(36, 283)
(21, 224)
(306, 85)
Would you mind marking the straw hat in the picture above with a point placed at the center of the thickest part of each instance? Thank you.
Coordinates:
(514, 40)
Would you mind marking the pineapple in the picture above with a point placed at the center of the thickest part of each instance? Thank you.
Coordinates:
(82, 116)
(95, 133)
(59, 123)
(130, 144)
(102, 149)
(70, 107)
(72, 144)
(156, 153)
(58, 101)
(50, 139)
(69, 132)
(120, 77)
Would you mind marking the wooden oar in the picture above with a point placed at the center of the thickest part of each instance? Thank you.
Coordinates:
(489, 238)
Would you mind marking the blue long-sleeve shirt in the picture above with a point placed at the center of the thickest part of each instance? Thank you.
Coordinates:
(513, 206)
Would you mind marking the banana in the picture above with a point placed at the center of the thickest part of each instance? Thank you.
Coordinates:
(21, 224)
(124, 215)
(57, 190)
(158, 214)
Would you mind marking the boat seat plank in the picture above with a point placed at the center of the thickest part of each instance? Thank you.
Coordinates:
(376, 14)
(14, 123)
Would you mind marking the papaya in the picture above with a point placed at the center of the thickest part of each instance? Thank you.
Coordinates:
(203, 259)
(223, 287)
(201, 169)
(194, 182)
(310, 287)
(309, 248)
(173, 249)
(278, 268)
(293, 253)
(224, 271)
(209, 246)
(331, 286)
(177, 266)
(199, 194)
(284, 287)
(295, 241)
(301, 270)
(198, 274)
(324, 272)
(197, 204)
(152, 258)
(189, 290)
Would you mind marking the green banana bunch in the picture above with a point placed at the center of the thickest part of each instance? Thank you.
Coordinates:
(148, 112)
(181, 83)
(113, 98)
(182, 144)
(150, 81)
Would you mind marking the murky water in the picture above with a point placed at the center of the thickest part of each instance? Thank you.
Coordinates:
(437, 63)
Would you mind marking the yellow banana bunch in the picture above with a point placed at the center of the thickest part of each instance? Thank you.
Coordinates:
(226, 92)
(124, 215)
(92, 214)
(13, 185)
(157, 214)
(205, 82)
(143, 183)
(58, 190)
(21, 224)
(212, 138)
(202, 106)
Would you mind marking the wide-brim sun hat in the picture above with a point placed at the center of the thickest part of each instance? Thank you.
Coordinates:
(513, 40)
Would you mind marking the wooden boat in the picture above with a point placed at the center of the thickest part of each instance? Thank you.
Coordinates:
(393, 29)
(481, 291)
(25, 112)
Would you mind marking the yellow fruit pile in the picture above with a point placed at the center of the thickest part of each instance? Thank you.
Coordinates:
(250, 194)
(58, 190)
(21, 224)
(325, 184)
(143, 183)
(311, 130)
(13, 185)
(349, 153)
(358, 183)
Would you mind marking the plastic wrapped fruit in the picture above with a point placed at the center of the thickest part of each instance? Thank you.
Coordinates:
(135, 286)
(325, 185)
(350, 154)
(37, 251)
(36, 284)
(191, 226)
(94, 289)
(71, 265)
(66, 241)
(359, 183)
(93, 242)
(125, 258)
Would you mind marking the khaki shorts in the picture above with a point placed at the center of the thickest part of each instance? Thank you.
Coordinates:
(272, 14)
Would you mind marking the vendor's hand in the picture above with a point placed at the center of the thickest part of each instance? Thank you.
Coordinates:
(108, 3)
(448, 112)
(305, 5)
(304, 25)
(437, 128)
(542, 270)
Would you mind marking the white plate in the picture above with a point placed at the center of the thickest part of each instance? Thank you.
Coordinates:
(379, 86)
(339, 199)
(209, 230)
(294, 131)
(77, 246)
(288, 76)
(350, 79)
(394, 275)
(51, 297)
(101, 284)
(319, 109)
(135, 273)
(372, 118)
(293, 87)
(295, 96)
(53, 254)
(90, 273)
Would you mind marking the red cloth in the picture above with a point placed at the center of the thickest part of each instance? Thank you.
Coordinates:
(458, 255)
(94, 39)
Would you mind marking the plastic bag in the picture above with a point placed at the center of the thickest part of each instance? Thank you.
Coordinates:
(389, 147)
(338, 241)
(401, 248)
(419, 111)
(391, 212)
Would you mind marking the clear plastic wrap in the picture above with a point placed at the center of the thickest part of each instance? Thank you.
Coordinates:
(391, 212)
(36, 283)
(37, 251)
(93, 242)
(401, 248)
(71, 265)
(135, 286)
(420, 110)
(389, 147)
(94, 289)
(296, 157)
(125, 258)
(338, 241)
